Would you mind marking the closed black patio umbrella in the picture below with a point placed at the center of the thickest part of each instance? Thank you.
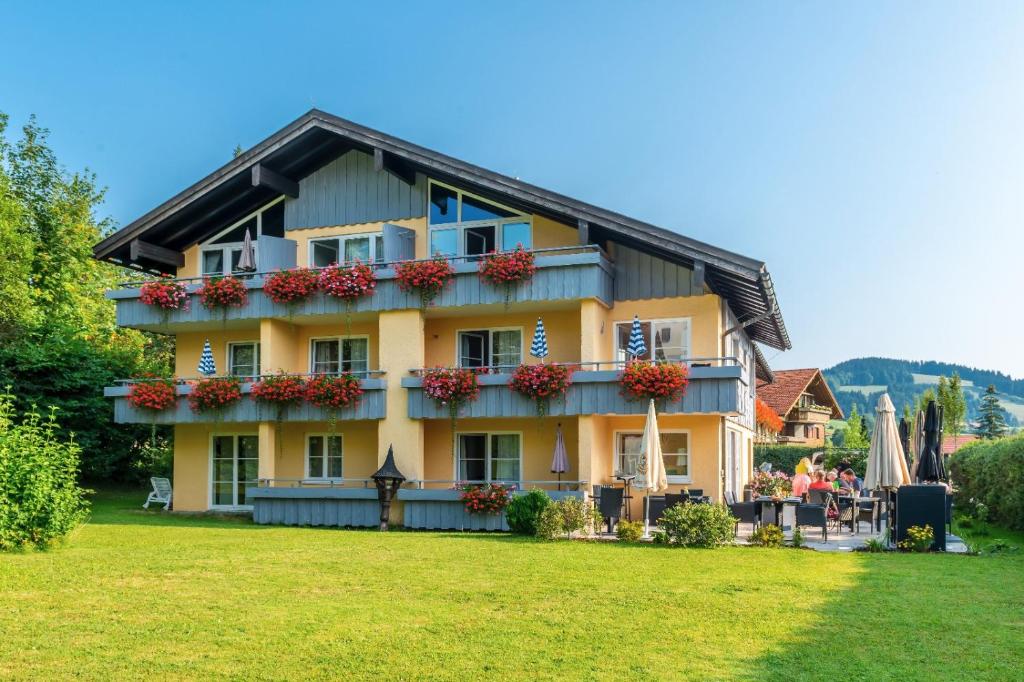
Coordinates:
(930, 468)
(905, 439)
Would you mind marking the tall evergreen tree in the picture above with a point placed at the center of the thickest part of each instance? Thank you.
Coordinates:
(992, 423)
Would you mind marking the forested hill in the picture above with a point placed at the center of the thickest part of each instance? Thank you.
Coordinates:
(860, 381)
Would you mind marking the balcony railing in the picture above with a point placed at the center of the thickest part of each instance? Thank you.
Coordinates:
(563, 273)
(715, 386)
(372, 405)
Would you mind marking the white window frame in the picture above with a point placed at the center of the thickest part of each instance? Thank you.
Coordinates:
(227, 248)
(460, 227)
(342, 238)
(339, 339)
(325, 435)
(490, 341)
(234, 456)
(622, 354)
(487, 453)
(616, 454)
(229, 350)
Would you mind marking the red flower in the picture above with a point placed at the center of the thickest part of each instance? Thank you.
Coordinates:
(334, 392)
(453, 387)
(153, 393)
(348, 282)
(223, 292)
(166, 294)
(291, 286)
(508, 267)
(541, 382)
(281, 390)
(489, 498)
(767, 419)
(429, 277)
(214, 394)
(642, 379)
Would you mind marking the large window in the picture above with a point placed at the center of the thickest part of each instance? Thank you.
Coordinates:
(462, 224)
(244, 359)
(490, 347)
(675, 451)
(666, 340)
(338, 355)
(366, 248)
(490, 457)
(219, 255)
(235, 465)
(324, 457)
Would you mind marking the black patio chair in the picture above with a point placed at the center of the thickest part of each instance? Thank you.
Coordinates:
(656, 508)
(867, 511)
(696, 493)
(949, 514)
(745, 512)
(610, 504)
(815, 515)
(672, 499)
(845, 510)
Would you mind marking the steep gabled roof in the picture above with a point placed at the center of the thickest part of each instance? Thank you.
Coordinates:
(316, 138)
(781, 395)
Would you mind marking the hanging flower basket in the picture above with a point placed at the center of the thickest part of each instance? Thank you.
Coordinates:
(281, 391)
(540, 383)
(489, 498)
(507, 269)
(333, 393)
(451, 387)
(153, 393)
(428, 277)
(646, 380)
(165, 294)
(213, 395)
(222, 293)
(291, 287)
(767, 420)
(348, 282)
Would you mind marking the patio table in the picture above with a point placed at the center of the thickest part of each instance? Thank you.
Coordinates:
(855, 512)
(779, 504)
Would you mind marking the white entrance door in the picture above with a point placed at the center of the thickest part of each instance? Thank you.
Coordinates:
(235, 460)
(732, 461)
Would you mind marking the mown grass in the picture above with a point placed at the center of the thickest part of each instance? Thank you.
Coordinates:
(144, 594)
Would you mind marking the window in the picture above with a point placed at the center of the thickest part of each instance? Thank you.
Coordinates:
(235, 466)
(220, 254)
(368, 248)
(323, 457)
(337, 355)
(489, 457)
(490, 347)
(462, 224)
(244, 359)
(668, 339)
(675, 451)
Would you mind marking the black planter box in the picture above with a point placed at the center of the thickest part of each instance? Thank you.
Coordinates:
(920, 505)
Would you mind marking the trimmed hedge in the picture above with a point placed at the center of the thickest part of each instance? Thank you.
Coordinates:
(783, 457)
(992, 472)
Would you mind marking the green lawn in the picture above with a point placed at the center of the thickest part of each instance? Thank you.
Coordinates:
(137, 594)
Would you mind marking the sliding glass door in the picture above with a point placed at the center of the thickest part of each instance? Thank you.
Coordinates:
(235, 462)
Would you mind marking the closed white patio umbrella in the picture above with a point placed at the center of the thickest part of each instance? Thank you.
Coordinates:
(887, 465)
(651, 476)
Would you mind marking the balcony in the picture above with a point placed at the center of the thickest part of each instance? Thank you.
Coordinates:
(372, 406)
(811, 414)
(563, 274)
(715, 389)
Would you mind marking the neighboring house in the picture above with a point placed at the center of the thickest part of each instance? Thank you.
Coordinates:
(804, 401)
(951, 444)
(324, 189)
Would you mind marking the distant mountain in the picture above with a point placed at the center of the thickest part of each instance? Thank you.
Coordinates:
(862, 380)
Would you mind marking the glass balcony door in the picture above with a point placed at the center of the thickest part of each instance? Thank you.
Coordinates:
(235, 466)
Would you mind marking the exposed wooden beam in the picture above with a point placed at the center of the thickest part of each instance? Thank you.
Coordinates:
(584, 230)
(383, 161)
(158, 254)
(697, 278)
(264, 177)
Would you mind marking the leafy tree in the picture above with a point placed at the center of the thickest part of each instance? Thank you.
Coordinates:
(854, 436)
(924, 398)
(954, 405)
(992, 423)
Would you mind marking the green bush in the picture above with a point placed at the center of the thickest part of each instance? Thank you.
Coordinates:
(40, 501)
(782, 457)
(858, 460)
(768, 535)
(549, 523)
(629, 531)
(568, 515)
(698, 525)
(523, 511)
(991, 472)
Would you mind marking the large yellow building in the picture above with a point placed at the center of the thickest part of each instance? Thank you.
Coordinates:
(324, 190)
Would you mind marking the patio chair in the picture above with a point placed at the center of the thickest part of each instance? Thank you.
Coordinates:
(949, 514)
(845, 509)
(161, 493)
(696, 493)
(745, 512)
(610, 504)
(656, 508)
(867, 511)
(813, 515)
(672, 499)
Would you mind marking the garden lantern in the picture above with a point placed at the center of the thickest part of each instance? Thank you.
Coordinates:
(388, 479)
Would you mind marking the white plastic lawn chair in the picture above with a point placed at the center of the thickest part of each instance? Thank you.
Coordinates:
(161, 493)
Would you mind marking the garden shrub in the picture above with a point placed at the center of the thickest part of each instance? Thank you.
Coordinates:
(782, 457)
(40, 501)
(858, 460)
(919, 539)
(768, 535)
(698, 525)
(549, 523)
(569, 515)
(991, 473)
(523, 512)
(630, 531)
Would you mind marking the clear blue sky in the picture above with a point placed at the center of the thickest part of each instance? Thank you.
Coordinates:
(870, 153)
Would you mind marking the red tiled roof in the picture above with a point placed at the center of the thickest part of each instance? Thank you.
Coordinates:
(963, 439)
(783, 393)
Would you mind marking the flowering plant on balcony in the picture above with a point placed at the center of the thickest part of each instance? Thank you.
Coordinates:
(487, 498)
(214, 394)
(507, 269)
(223, 293)
(646, 380)
(280, 390)
(768, 422)
(540, 383)
(348, 282)
(333, 393)
(152, 393)
(451, 387)
(165, 294)
(290, 287)
(771, 484)
(428, 277)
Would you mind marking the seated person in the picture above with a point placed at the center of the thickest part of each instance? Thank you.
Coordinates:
(848, 481)
(818, 482)
(801, 480)
(832, 478)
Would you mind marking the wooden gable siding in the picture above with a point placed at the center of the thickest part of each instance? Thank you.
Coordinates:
(348, 191)
(640, 276)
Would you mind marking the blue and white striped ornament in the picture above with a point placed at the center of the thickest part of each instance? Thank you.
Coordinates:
(539, 347)
(637, 346)
(206, 365)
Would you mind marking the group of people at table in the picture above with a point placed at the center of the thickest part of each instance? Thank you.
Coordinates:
(842, 479)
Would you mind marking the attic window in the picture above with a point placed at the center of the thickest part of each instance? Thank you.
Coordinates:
(462, 224)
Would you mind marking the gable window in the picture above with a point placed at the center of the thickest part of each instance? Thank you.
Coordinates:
(490, 348)
(324, 457)
(366, 248)
(666, 340)
(462, 224)
(338, 355)
(219, 255)
(244, 359)
(489, 457)
(675, 449)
